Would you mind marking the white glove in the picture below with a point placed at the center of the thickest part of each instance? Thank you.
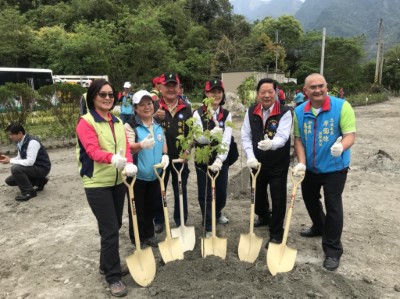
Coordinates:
(252, 163)
(148, 142)
(337, 147)
(265, 144)
(217, 165)
(298, 168)
(165, 161)
(118, 160)
(203, 140)
(130, 169)
(216, 129)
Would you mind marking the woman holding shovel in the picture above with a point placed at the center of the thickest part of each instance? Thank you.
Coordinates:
(103, 152)
(147, 143)
(214, 121)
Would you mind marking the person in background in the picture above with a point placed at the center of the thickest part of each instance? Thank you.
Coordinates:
(173, 114)
(213, 121)
(31, 165)
(266, 140)
(147, 142)
(341, 93)
(126, 103)
(299, 98)
(324, 131)
(181, 94)
(281, 95)
(103, 152)
(155, 92)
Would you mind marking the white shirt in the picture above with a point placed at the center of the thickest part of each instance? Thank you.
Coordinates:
(281, 136)
(31, 153)
(226, 135)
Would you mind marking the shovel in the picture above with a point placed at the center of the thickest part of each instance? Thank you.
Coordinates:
(185, 233)
(214, 245)
(170, 249)
(281, 258)
(250, 244)
(141, 263)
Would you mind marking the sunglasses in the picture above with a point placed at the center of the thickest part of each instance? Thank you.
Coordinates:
(103, 95)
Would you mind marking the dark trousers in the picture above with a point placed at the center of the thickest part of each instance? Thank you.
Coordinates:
(277, 181)
(159, 214)
(146, 194)
(331, 224)
(221, 185)
(24, 176)
(107, 205)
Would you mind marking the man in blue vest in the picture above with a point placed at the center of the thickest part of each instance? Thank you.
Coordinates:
(324, 131)
(31, 165)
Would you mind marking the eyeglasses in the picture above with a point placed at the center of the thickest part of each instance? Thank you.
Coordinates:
(104, 95)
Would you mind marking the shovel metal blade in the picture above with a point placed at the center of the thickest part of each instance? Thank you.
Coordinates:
(214, 246)
(249, 247)
(142, 266)
(171, 250)
(187, 236)
(280, 258)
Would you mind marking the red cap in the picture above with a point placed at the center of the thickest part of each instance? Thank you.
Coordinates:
(214, 83)
(169, 77)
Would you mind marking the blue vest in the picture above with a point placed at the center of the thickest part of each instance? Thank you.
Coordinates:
(126, 104)
(145, 159)
(319, 133)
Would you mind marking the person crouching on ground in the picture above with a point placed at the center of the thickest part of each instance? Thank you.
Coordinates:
(103, 153)
(147, 142)
(214, 121)
(266, 140)
(31, 165)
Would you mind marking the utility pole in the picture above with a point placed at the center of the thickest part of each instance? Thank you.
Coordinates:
(379, 56)
(321, 68)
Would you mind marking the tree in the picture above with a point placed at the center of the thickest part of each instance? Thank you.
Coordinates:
(16, 37)
(391, 69)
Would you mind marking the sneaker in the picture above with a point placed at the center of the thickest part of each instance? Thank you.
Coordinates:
(331, 263)
(153, 241)
(118, 289)
(273, 240)
(223, 220)
(208, 234)
(158, 228)
(261, 221)
(26, 196)
(310, 232)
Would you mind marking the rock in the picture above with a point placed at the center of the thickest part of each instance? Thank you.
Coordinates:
(397, 288)
(310, 294)
(234, 105)
(367, 280)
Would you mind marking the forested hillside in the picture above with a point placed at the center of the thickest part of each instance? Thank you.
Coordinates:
(136, 40)
(353, 18)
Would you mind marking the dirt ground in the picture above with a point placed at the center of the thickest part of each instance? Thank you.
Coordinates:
(50, 245)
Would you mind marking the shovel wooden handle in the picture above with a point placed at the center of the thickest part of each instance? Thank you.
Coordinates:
(176, 161)
(133, 209)
(254, 175)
